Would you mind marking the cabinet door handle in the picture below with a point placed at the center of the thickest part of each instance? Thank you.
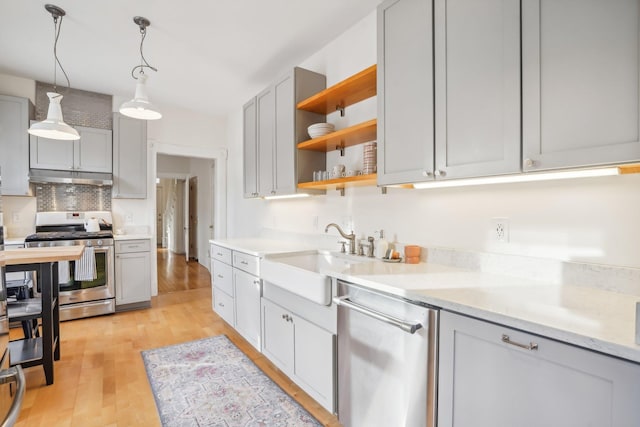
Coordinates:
(531, 346)
(221, 304)
(256, 282)
(221, 276)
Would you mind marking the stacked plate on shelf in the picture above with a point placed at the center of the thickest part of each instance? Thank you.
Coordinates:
(370, 158)
(320, 129)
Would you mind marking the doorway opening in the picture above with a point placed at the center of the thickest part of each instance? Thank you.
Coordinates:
(200, 173)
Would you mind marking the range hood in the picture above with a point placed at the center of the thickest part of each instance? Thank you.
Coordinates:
(46, 176)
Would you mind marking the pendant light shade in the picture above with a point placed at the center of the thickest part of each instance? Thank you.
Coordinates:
(53, 127)
(140, 107)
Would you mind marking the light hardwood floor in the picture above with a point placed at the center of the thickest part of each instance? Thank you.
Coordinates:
(100, 379)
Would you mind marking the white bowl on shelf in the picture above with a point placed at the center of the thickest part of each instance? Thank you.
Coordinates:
(320, 129)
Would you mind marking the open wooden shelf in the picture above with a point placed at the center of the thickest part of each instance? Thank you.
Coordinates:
(353, 135)
(354, 89)
(340, 183)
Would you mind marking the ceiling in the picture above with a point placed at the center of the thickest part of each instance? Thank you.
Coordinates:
(211, 55)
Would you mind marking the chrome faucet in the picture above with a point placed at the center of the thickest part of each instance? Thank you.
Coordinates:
(350, 237)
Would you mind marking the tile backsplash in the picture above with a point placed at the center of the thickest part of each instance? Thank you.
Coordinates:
(72, 197)
(79, 108)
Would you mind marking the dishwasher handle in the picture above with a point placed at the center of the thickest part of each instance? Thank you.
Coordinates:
(393, 321)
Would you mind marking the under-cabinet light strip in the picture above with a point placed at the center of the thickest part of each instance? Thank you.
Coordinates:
(527, 177)
(286, 196)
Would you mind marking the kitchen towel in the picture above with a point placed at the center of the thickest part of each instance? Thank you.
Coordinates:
(63, 272)
(86, 265)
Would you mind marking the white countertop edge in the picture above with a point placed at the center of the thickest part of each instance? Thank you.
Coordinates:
(261, 247)
(117, 237)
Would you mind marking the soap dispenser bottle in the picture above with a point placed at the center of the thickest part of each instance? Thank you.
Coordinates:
(381, 245)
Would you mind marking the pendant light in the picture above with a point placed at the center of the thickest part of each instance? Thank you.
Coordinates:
(53, 126)
(140, 107)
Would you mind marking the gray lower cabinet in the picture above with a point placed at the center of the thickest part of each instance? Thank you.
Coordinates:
(272, 128)
(248, 289)
(494, 376)
(15, 113)
(302, 350)
(237, 290)
(91, 153)
(581, 73)
(129, 158)
(133, 274)
(222, 283)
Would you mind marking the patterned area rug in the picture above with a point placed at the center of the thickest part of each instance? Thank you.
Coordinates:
(210, 382)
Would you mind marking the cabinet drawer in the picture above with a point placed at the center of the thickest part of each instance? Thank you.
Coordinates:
(223, 305)
(222, 276)
(221, 254)
(125, 246)
(248, 263)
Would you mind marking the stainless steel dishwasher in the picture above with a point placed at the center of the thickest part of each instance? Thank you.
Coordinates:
(387, 360)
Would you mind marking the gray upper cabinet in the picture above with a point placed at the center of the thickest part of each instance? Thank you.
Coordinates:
(266, 124)
(477, 83)
(405, 91)
(494, 376)
(129, 157)
(272, 129)
(250, 149)
(580, 76)
(15, 113)
(91, 153)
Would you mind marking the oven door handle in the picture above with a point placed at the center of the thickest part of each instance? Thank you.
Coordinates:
(386, 318)
(13, 374)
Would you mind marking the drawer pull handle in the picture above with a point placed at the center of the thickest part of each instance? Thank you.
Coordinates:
(531, 346)
(219, 254)
(221, 276)
(244, 263)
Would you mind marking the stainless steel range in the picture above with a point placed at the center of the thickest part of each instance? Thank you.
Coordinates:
(80, 297)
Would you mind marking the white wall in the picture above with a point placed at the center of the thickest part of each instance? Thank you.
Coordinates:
(593, 220)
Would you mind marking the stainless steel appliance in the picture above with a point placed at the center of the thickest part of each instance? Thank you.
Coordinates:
(387, 359)
(80, 298)
(10, 400)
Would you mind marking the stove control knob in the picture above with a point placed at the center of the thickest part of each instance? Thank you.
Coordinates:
(99, 242)
(89, 244)
(40, 245)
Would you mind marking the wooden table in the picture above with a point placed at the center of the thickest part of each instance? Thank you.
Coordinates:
(45, 349)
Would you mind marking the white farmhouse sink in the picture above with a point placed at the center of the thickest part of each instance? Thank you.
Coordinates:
(305, 273)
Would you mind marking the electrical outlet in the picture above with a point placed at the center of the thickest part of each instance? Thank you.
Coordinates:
(15, 217)
(500, 229)
(128, 218)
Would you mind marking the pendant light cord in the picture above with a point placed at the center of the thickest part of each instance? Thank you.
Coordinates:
(143, 61)
(56, 31)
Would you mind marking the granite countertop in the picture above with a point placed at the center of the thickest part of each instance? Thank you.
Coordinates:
(260, 247)
(588, 317)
